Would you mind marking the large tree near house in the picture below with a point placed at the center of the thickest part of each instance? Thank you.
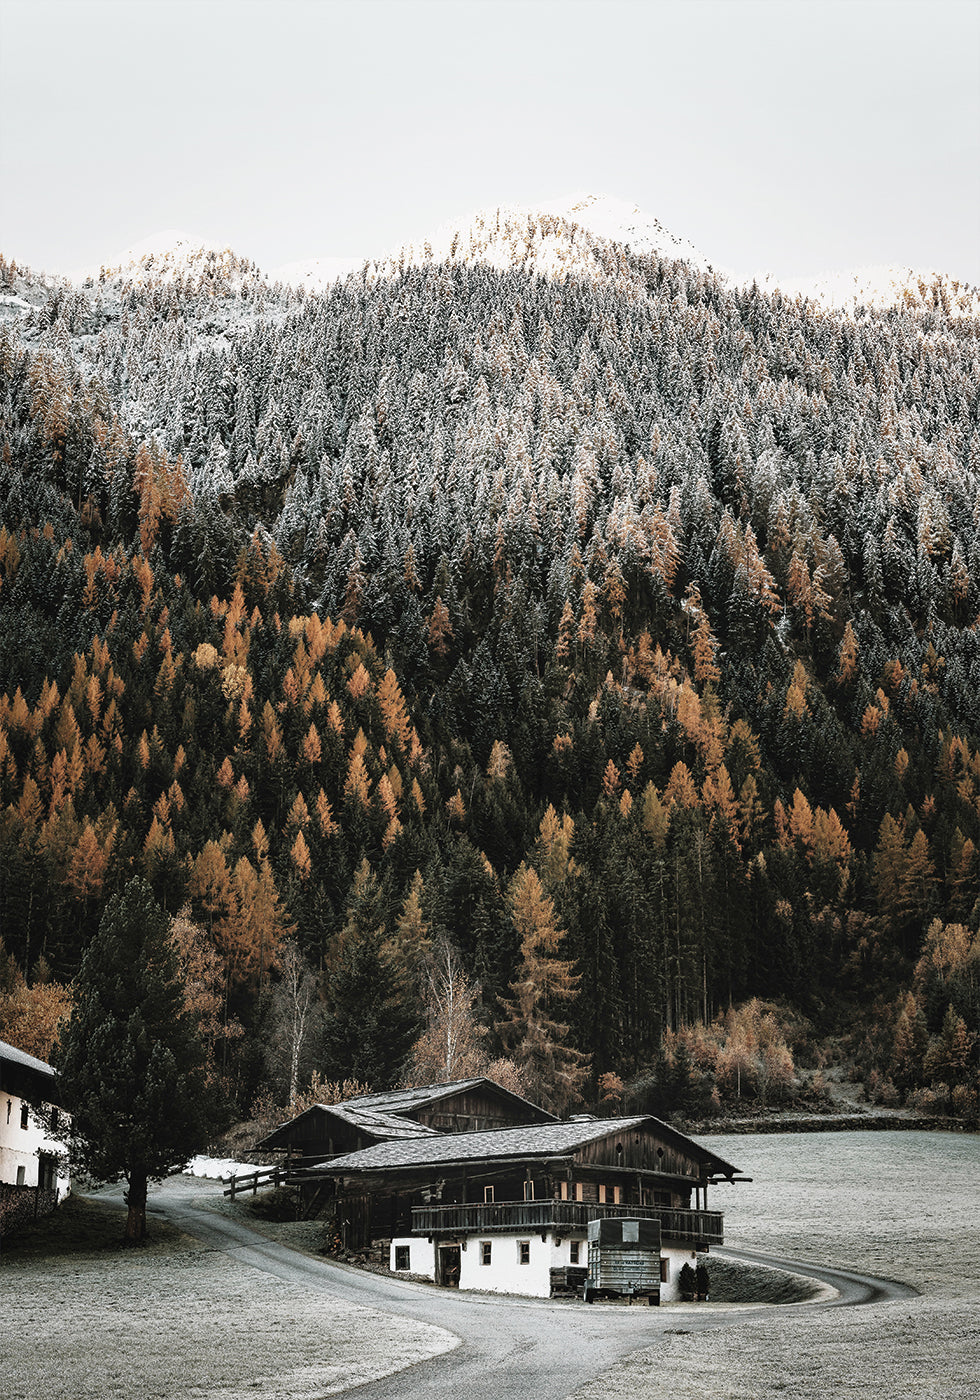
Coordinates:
(130, 1062)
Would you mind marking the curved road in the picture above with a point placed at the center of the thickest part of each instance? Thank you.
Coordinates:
(510, 1349)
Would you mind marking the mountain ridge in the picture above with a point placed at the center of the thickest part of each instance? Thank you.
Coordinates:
(495, 234)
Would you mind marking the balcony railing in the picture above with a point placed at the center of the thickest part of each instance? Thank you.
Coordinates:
(506, 1217)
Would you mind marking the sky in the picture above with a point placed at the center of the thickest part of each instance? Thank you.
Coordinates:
(790, 136)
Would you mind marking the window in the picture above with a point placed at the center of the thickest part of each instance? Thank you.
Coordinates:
(9, 1107)
(665, 1271)
(485, 1248)
(529, 1190)
(488, 1195)
(523, 1251)
(403, 1256)
(22, 1177)
(617, 1195)
(54, 1120)
(564, 1190)
(573, 1251)
(23, 1115)
(578, 1190)
(602, 1195)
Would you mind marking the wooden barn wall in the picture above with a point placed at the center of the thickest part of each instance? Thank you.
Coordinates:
(640, 1151)
(472, 1111)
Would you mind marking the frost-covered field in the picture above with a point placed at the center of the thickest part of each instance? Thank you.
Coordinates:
(185, 1323)
(902, 1205)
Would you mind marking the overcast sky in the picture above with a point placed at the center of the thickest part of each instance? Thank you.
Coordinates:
(794, 136)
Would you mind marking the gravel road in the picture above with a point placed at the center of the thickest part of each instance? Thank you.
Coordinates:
(232, 1315)
(510, 1349)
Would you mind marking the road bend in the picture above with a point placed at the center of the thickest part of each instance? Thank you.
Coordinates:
(510, 1349)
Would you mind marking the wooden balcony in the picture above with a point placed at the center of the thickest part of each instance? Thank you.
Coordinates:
(690, 1227)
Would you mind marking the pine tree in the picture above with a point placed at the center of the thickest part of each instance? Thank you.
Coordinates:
(130, 1062)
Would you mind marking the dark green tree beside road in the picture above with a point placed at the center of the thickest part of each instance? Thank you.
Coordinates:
(130, 1061)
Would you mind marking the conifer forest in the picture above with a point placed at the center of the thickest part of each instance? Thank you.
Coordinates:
(568, 667)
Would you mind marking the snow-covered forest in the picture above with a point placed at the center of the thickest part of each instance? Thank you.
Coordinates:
(525, 624)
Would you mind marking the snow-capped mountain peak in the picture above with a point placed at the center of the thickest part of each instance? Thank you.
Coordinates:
(160, 257)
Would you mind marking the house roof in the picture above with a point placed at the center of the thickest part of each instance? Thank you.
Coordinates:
(409, 1100)
(501, 1144)
(386, 1116)
(25, 1075)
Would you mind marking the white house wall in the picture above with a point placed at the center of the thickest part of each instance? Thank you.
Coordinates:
(19, 1147)
(422, 1256)
(676, 1257)
(505, 1273)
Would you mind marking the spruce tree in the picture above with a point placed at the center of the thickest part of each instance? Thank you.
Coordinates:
(130, 1062)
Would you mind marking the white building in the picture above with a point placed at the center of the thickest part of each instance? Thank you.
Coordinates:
(33, 1177)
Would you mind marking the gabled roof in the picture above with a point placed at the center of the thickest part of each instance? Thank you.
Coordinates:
(503, 1144)
(373, 1122)
(409, 1100)
(387, 1116)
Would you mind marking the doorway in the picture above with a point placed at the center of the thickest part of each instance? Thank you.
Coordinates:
(448, 1272)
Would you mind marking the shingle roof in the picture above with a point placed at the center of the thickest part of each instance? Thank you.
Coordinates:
(405, 1100)
(373, 1120)
(500, 1144)
(380, 1114)
(537, 1140)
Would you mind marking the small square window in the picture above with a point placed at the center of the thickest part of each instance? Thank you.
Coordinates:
(523, 1251)
(485, 1248)
(573, 1251)
(403, 1256)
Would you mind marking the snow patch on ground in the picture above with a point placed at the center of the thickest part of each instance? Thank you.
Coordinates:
(220, 1168)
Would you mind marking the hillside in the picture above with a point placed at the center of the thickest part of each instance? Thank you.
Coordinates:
(536, 546)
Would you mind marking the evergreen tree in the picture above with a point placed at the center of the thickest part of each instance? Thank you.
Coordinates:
(130, 1062)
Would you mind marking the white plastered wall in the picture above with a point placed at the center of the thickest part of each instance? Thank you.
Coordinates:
(677, 1257)
(505, 1273)
(422, 1256)
(19, 1146)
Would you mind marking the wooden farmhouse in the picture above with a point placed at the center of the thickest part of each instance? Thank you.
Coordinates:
(486, 1191)
(33, 1178)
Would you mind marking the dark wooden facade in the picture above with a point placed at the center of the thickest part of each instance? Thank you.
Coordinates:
(645, 1168)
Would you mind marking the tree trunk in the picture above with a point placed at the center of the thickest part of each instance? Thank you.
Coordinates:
(136, 1200)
